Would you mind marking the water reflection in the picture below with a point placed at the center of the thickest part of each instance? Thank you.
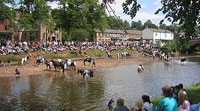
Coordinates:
(69, 91)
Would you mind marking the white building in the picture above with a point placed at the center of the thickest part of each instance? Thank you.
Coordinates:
(157, 35)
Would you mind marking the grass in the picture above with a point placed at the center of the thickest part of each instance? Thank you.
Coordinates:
(53, 56)
(193, 95)
(9, 58)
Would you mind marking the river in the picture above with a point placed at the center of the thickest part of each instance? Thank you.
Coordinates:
(69, 92)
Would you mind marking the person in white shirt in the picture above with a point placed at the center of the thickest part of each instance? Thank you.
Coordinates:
(147, 106)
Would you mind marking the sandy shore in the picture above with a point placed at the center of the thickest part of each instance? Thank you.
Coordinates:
(104, 62)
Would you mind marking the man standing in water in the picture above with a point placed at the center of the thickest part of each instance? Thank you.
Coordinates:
(17, 71)
(94, 62)
(85, 74)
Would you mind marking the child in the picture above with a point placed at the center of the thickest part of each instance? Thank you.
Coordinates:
(109, 104)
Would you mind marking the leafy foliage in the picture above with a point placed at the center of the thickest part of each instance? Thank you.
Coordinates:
(185, 12)
(137, 25)
(134, 7)
(86, 15)
(6, 12)
(79, 35)
(149, 24)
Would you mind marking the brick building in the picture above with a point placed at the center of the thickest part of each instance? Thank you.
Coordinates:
(6, 32)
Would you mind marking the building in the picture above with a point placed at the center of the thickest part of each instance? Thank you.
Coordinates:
(159, 36)
(41, 34)
(6, 32)
(110, 35)
(133, 35)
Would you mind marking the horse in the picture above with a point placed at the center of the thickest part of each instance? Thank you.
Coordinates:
(40, 61)
(183, 59)
(109, 54)
(167, 58)
(70, 64)
(87, 60)
(57, 64)
(24, 60)
(81, 71)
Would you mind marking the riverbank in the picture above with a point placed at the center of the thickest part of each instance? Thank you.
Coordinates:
(101, 62)
(193, 95)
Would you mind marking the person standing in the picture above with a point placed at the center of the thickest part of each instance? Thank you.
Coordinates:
(94, 62)
(17, 71)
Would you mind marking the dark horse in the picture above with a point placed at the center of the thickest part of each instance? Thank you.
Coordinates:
(87, 60)
(183, 59)
(57, 64)
(81, 71)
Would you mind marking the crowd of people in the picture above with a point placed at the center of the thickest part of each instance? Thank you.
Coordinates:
(174, 99)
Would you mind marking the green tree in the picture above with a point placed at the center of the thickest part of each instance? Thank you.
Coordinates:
(79, 35)
(114, 23)
(185, 12)
(136, 25)
(33, 13)
(163, 26)
(149, 24)
(84, 14)
(6, 12)
(126, 25)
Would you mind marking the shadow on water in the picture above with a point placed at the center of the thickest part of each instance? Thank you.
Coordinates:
(69, 92)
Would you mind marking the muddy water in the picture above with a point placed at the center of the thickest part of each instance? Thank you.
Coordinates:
(69, 92)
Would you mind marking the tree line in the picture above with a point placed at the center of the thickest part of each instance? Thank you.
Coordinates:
(78, 19)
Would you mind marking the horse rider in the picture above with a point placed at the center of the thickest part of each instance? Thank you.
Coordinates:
(88, 57)
(141, 66)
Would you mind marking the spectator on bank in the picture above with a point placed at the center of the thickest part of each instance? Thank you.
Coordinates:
(184, 104)
(138, 106)
(148, 106)
(181, 87)
(120, 105)
(168, 103)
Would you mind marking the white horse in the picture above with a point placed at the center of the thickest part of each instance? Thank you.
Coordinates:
(24, 60)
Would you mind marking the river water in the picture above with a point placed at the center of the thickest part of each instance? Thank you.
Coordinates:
(69, 92)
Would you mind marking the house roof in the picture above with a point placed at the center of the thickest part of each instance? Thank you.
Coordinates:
(134, 32)
(112, 31)
(160, 30)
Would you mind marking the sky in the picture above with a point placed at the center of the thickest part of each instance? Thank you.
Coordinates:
(146, 12)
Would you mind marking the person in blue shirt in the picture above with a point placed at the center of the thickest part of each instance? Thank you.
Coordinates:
(85, 74)
(168, 103)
